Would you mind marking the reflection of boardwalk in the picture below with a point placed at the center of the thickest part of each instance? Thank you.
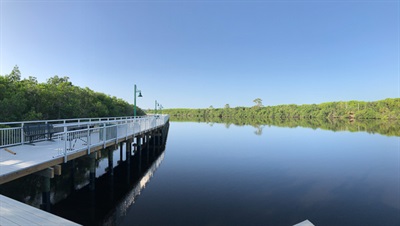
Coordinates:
(17, 213)
(72, 140)
(106, 200)
(130, 198)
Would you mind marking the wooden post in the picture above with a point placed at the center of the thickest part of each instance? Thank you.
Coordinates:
(128, 150)
(72, 174)
(111, 161)
(46, 175)
(154, 144)
(57, 170)
(92, 179)
(120, 151)
(138, 143)
(46, 194)
(49, 173)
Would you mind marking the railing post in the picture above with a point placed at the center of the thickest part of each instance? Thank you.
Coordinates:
(88, 138)
(116, 134)
(46, 136)
(65, 143)
(104, 135)
(22, 134)
(126, 132)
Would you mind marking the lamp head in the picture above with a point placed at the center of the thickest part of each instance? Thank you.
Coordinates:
(140, 94)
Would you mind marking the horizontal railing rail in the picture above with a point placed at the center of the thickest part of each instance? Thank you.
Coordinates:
(72, 135)
(64, 121)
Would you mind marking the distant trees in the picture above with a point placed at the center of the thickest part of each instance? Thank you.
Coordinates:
(385, 127)
(258, 102)
(383, 109)
(15, 74)
(57, 98)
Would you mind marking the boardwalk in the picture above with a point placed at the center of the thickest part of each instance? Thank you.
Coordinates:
(72, 139)
(17, 213)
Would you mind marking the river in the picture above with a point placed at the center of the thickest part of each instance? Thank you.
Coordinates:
(227, 174)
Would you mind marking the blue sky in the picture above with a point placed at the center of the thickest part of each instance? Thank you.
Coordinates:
(200, 53)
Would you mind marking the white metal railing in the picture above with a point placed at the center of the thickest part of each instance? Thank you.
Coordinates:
(72, 135)
(10, 136)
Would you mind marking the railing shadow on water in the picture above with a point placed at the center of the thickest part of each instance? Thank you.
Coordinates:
(75, 197)
(383, 127)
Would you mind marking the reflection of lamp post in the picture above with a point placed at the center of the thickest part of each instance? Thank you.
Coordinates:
(134, 103)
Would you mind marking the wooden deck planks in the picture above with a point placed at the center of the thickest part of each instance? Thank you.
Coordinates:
(16, 213)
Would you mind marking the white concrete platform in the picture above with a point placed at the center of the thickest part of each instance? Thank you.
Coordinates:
(19, 158)
(22, 157)
(17, 213)
(304, 223)
(26, 156)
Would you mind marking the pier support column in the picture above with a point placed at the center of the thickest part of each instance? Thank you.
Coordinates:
(121, 151)
(46, 194)
(154, 144)
(111, 161)
(46, 176)
(147, 140)
(111, 174)
(72, 175)
(128, 146)
(128, 149)
(147, 154)
(92, 180)
(158, 137)
(138, 143)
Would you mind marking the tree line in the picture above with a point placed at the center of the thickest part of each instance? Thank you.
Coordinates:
(388, 109)
(384, 127)
(58, 98)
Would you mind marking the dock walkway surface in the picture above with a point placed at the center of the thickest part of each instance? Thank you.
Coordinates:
(304, 223)
(70, 141)
(17, 213)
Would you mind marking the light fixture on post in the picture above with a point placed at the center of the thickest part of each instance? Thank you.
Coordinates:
(155, 107)
(134, 102)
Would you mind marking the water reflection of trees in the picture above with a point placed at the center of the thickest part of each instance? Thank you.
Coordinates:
(384, 127)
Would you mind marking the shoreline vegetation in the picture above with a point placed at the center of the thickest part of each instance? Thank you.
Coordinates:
(27, 99)
(387, 109)
(380, 117)
(383, 127)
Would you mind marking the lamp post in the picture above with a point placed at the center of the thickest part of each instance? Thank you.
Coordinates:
(134, 102)
(155, 107)
(161, 107)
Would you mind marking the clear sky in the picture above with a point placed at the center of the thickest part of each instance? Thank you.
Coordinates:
(194, 54)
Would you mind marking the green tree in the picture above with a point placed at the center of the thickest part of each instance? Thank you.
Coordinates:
(15, 74)
(57, 98)
(258, 102)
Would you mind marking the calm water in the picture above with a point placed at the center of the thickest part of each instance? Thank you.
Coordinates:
(213, 174)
